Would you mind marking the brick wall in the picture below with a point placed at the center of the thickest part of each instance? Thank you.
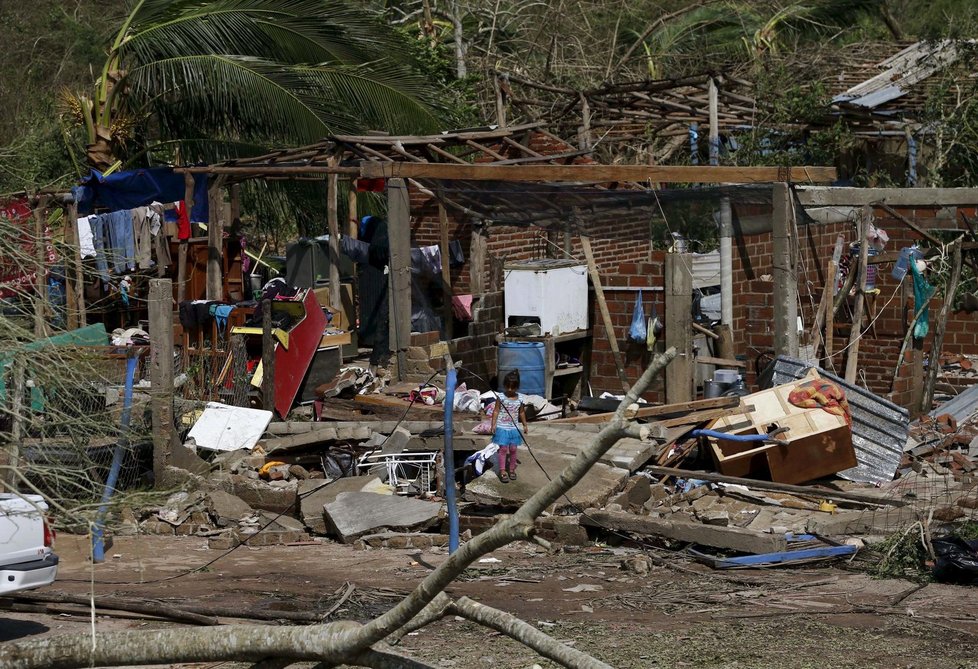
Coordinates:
(891, 312)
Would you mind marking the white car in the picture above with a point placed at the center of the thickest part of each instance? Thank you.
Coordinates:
(27, 559)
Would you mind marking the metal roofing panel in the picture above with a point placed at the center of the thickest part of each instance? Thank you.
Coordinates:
(879, 427)
(900, 72)
(961, 407)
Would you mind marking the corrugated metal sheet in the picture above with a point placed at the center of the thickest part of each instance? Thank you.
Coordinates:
(961, 407)
(900, 72)
(706, 269)
(879, 427)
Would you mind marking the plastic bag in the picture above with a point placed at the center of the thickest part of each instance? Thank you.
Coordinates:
(639, 329)
(957, 561)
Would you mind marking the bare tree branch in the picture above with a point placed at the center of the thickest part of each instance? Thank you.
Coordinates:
(521, 631)
(344, 641)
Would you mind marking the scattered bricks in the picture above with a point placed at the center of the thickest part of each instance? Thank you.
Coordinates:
(636, 493)
(265, 538)
(946, 423)
(156, 527)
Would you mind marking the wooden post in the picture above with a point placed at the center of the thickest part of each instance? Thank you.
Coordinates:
(18, 372)
(72, 242)
(333, 225)
(352, 218)
(785, 276)
(825, 314)
(855, 332)
(934, 359)
(609, 326)
(448, 317)
(161, 373)
(79, 284)
(714, 123)
(477, 260)
(188, 202)
(215, 239)
(239, 370)
(399, 233)
(267, 358)
(41, 311)
(679, 322)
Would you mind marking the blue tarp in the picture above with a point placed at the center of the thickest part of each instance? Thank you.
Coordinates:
(138, 188)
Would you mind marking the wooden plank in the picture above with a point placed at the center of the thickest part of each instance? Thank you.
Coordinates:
(833, 196)
(855, 331)
(705, 331)
(940, 328)
(41, 311)
(448, 318)
(678, 298)
(477, 260)
(267, 358)
(721, 362)
(161, 373)
(188, 202)
(825, 312)
(592, 270)
(215, 239)
(701, 416)
(731, 538)
(785, 262)
(883, 499)
(399, 233)
(598, 173)
(333, 227)
(656, 411)
(386, 401)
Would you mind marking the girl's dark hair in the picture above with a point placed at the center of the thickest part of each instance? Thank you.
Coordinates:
(512, 381)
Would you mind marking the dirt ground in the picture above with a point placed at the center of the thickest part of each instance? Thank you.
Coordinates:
(685, 615)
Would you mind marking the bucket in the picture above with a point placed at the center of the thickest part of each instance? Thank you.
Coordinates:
(528, 358)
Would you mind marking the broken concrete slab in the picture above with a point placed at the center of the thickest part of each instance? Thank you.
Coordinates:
(732, 538)
(353, 514)
(594, 490)
(226, 508)
(315, 494)
(278, 496)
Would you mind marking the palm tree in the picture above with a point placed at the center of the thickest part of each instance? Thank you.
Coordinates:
(219, 78)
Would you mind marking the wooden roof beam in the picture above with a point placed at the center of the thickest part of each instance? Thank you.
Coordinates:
(600, 173)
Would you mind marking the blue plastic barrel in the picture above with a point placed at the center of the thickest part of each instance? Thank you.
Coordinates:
(528, 358)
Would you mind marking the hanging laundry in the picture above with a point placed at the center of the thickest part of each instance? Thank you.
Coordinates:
(143, 237)
(86, 241)
(161, 244)
(100, 240)
(122, 241)
(221, 313)
(183, 221)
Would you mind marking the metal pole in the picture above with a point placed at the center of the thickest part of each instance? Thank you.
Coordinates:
(98, 532)
(450, 382)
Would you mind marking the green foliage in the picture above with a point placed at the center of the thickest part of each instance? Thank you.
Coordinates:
(902, 556)
(792, 127)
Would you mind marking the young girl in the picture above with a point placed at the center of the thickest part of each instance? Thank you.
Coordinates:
(505, 434)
